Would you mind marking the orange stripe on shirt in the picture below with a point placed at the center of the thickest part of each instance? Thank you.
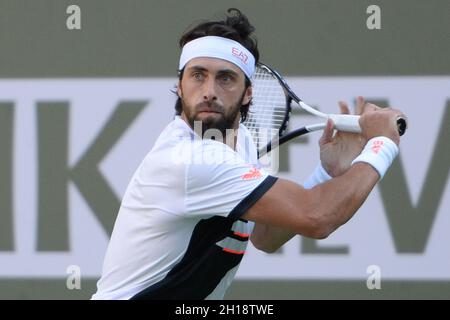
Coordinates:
(233, 251)
(242, 235)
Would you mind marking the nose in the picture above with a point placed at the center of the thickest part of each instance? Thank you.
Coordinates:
(209, 90)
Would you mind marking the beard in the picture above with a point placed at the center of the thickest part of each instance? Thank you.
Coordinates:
(221, 120)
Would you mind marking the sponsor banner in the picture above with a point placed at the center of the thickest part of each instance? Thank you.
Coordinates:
(69, 147)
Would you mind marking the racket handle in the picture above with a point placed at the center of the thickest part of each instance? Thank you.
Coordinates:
(346, 122)
(350, 123)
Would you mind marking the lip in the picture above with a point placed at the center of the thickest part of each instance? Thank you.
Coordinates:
(207, 111)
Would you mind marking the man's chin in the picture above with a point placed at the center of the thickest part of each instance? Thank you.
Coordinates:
(207, 121)
(210, 119)
(204, 115)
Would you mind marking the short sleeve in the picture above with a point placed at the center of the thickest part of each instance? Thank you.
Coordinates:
(219, 182)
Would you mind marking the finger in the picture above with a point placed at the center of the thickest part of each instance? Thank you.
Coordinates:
(360, 102)
(344, 107)
(369, 107)
(327, 135)
(396, 114)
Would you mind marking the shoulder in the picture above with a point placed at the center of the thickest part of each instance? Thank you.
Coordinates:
(210, 152)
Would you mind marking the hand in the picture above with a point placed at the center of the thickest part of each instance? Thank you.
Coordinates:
(382, 122)
(338, 151)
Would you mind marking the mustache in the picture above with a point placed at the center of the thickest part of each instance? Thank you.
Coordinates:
(209, 106)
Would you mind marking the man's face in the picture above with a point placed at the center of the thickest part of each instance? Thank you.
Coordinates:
(212, 91)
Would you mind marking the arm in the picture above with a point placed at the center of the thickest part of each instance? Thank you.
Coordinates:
(316, 212)
(337, 152)
(269, 239)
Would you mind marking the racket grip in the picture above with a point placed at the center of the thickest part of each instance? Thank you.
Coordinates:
(346, 122)
(350, 123)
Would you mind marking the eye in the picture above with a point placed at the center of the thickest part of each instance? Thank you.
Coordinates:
(226, 78)
(198, 76)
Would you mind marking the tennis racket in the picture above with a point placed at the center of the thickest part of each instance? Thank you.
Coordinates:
(271, 108)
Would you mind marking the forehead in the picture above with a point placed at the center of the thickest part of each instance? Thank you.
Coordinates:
(213, 65)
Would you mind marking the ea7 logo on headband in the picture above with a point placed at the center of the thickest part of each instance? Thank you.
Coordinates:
(239, 54)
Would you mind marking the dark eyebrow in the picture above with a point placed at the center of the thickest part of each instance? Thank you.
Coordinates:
(228, 71)
(198, 68)
(222, 71)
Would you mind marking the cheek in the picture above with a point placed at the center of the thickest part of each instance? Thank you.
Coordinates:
(189, 92)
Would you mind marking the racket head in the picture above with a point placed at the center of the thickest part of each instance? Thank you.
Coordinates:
(270, 109)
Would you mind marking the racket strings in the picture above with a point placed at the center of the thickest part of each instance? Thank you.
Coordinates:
(268, 111)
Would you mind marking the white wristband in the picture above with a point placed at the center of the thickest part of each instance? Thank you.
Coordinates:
(317, 177)
(379, 152)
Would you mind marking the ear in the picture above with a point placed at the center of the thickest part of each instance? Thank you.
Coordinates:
(248, 95)
(179, 91)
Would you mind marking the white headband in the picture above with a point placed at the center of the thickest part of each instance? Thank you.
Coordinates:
(219, 47)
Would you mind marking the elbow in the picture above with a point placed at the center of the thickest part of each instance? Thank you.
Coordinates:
(262, 240)
(318, 228)
(269, 249)
(265, 247)
(321, 233)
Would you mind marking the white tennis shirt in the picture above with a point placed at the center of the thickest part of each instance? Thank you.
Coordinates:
(178, 233)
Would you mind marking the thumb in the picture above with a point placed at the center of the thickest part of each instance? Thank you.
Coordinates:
(327, 133)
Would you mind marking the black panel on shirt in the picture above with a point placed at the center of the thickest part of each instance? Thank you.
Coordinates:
(202, 267)
(251, 199)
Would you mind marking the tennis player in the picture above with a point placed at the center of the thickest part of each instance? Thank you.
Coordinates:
(194, 202)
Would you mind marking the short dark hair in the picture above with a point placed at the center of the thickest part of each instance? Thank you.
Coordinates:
(235, 26)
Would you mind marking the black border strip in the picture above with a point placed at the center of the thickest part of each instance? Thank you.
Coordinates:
(251, 199)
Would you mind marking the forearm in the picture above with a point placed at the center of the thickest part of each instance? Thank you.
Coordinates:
(331, 204)
(313, 213)
(337, 200)
(268, 238)
(355, 184)
(290, 209)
